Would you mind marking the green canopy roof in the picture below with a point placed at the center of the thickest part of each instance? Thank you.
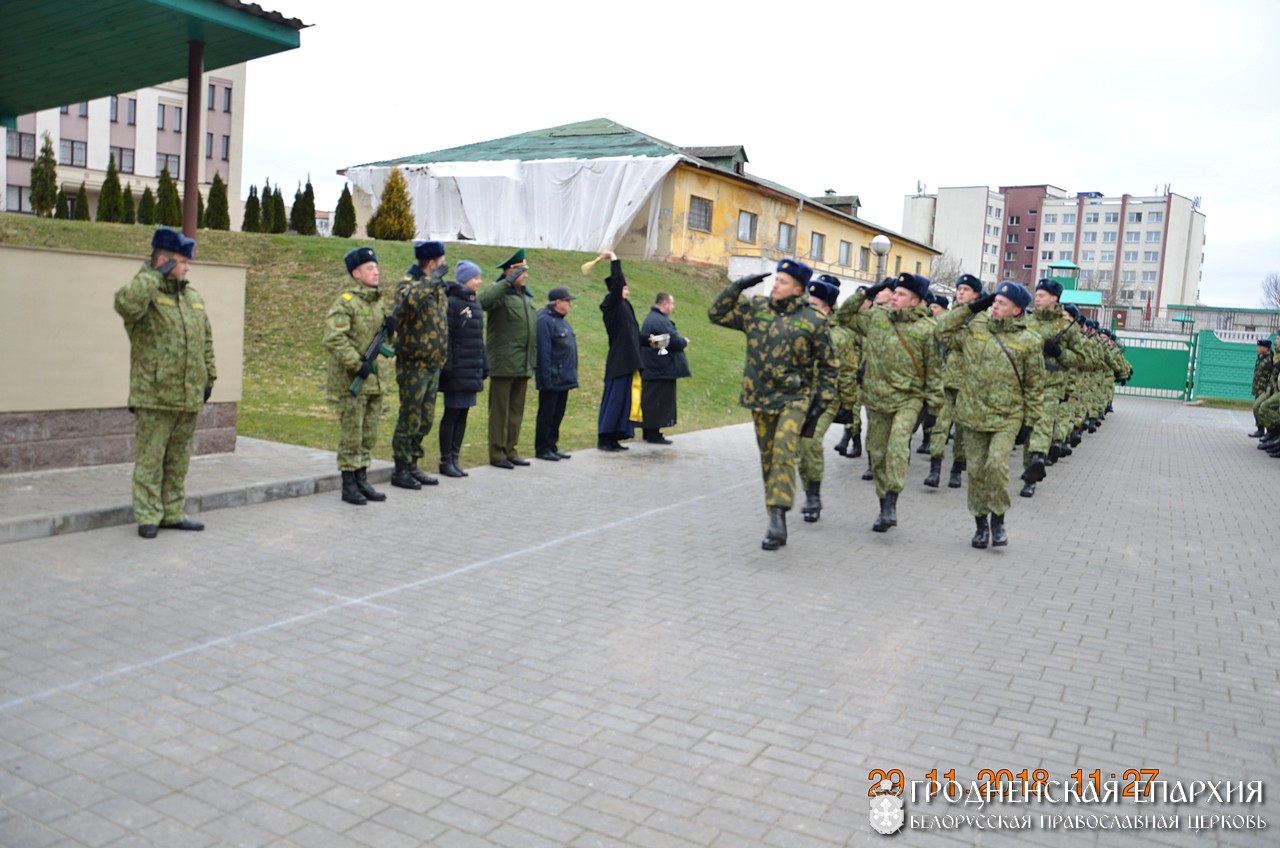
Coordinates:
(56, 52)
(1081, 298)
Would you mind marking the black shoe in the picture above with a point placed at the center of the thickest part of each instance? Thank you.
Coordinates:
(1055, 451)
(855, 447)
(953, 482)
(924, 446)
(935, 472)
(844, 442)
(147, 531)
(1066, 450)
(812, 509)
(403, 478)
(1258, 433)
(184, 524)
(660, 440)
(882, 523)
(502, 463)
(421, 476)
(1028, 489)
(362, 483)
(776, 536)
(982, 534)
(448, 469)
(517, 460)
(1034, 471)
(609, 446)
(1092, 425)
(350, 493)
(562, 454)
(999, 538)
(891, 500)
(549, 456)
(868, 475)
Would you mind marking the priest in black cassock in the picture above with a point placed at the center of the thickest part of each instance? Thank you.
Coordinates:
(620, 404)
(663, 364)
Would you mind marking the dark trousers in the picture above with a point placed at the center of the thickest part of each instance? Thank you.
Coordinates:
(551, 406)
(506, 413)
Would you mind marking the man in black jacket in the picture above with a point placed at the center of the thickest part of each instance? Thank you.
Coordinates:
(664, 362)
(557, 372)
(619, 406)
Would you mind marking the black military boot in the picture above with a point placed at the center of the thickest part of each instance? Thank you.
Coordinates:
(776, 536)
(957, 466)
(812, 509)
(999, 538)
(1055, 451)
(935, 472)
(855, 447)
(924, 445)
(351, 492)
(844, 442)
(881, 524)
(982, 534)
(1258, 433)
(1074, 440)
(1033, 473)
(1270, 440)
(1091, 424)
(458, 435)
(867, 475)
(421, 476)
(362, 483)
(1028, 490)
(891, 501)
(449, 468)
(403, 477)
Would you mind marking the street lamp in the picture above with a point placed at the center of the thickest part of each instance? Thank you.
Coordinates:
(880, 246)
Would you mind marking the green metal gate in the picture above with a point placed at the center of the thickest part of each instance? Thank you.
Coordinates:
(1162, 368)
(1224, 368)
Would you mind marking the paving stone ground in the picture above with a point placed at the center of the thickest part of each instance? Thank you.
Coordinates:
(597, 653)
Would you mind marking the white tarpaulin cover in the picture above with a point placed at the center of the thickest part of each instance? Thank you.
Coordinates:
(564, 204)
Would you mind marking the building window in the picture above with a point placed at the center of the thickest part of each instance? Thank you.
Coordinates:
(1107, 256)
(177, 119)
(786, 237)
(1067, 238)
(1148, 276)
(1155, 217)
(1109, 238)
(159, 116)
(897, 265)
(1014, 219)
(864, 259)
(20, 145)
(1012, 238)
(124, 159)
(817, 246)
(1032, 211)
(84, 108)
(1134, 218)
(1151, 256)
(1086, 256)
(114, 109)
(170, 161)
(746, 220)
(71, 153)
(1144, 295)
(133, 111)
(1104, 276)
(1046, 256)
(1066, 255)
(1130, 256)
(226, 154)
(1068, 217)
(1126, 294)
(1089, 238)
(846, 254)
(700, 214)
(1049, 237)
(1050, 218)
(1153, 236)
(1009, 256)
(1128, 276)
(213, 96)
(19, 199)
(66, 110)
(1091, 217)
(208, 145)
(1132, 237)
(1111, 218)
(226, 99)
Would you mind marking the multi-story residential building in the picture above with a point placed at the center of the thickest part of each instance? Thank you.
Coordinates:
(966, 223)
(1135, 250)
(1020, 258)
(144, 130)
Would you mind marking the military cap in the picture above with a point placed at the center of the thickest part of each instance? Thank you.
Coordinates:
(1264, 343)
(358, 256)
(1091, 324)
(797, 271)
(560, 293)
(424, 251)
(970, 281)
(466, 270)
(1053, 287)
(167, 239)
(516, 258)
(830, 279)
(188, 247)
(914, 283)
(824, 291)
(942, 300)
(1020, 296)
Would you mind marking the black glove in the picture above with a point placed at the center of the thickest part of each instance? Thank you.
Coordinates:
(366, 368)
(844, 415)
(747, 282)
(166, 266)
(1052, 348)
(875, 290)
(811, 420)
(982, 304)
(208, 390)
(437, 273)
(1035, 472)
(389, 325)
(929, 422)
(1023, 434)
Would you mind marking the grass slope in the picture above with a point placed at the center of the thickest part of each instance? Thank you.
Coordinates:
(293, 279)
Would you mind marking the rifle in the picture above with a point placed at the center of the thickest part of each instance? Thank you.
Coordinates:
(377, 346)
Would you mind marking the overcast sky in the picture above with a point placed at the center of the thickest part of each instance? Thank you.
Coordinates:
(865, 98)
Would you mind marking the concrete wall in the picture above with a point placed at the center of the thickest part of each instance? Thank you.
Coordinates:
(65, 383)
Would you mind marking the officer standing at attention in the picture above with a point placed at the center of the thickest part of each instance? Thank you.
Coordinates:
(557, 372)
(353, 320)
(171, 374)
(511, 343)
(999, 400)
(788, 380)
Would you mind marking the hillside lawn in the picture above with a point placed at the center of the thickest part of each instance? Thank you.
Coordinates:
(292, 280)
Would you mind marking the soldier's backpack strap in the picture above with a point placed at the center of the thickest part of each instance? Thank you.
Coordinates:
(1009, 356)
(907, 348)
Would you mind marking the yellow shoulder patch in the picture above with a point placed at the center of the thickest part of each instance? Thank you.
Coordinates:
(347, 295)
(197, 306)
(166, 301)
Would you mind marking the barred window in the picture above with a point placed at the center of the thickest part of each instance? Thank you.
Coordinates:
(700, 214)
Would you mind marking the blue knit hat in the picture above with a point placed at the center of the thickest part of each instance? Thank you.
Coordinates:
(798, 271)
(1020, 296)
(466, 270)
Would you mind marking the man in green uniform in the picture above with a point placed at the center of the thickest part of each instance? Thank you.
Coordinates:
(1261, 373)
(903, 378)
(350, 325)
(1000, 398)
(422, 347)
(511, 341)
(171, 374)
(968, 289)
(823, 293)
(788, 380)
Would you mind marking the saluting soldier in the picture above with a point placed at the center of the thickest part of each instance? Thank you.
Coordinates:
(788, 379)
(171, 374)
(823, 294)
(511, 343)
(353, 320)
(999, 400)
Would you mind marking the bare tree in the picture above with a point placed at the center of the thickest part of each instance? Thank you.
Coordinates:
(1271, 291)
(945, 270)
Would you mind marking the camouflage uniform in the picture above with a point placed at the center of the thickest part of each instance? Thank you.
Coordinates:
(903, 374)
(995, 398)
(811, 457)
(1261, 383)
(171, 366)
(1053, 323)
(422, 347)
(353, 320)
(790, 366)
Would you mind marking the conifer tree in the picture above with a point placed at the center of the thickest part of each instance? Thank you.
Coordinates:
(252, 222)
(82, 204)
(147, 207)
(199, 210)
(394, 219)
(344, 217)
(110, 199)
(279, 215)
(62, 207)
(127, 200)
(268, 208)
(217, 216)
(168, 205)
(44, 180)
(307, 219)
(296, 210)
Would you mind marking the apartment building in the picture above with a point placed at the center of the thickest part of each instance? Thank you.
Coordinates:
(966, 223)
(145, 130)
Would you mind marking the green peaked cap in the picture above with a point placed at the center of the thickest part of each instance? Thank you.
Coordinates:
(516, 258)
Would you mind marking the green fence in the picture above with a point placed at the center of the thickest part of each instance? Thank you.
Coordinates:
(1224, 369)
(1162, 368)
